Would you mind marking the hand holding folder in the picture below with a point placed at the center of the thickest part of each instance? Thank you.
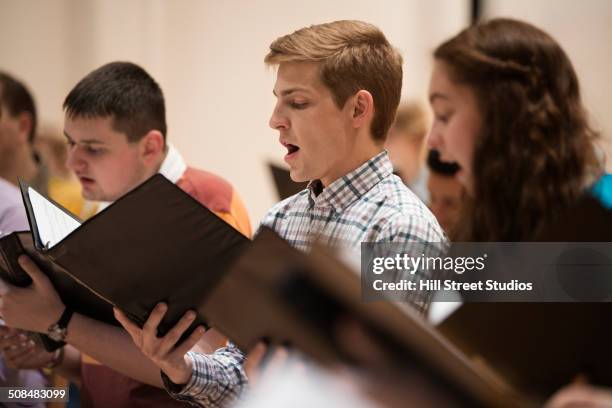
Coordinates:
(156, 243)
(277, 292)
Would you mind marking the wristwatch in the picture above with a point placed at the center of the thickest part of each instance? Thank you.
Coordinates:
(58, 331)
(57, 359)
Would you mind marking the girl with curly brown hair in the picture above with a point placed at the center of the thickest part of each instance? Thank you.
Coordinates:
(508, 110)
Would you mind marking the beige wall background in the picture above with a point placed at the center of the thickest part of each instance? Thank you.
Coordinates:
(208, 58)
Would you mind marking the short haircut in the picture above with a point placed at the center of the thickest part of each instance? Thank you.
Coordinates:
(126, 93)
(353, 55)
(17, 99)
(441, 167)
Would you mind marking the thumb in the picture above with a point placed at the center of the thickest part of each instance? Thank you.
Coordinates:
(38, 277)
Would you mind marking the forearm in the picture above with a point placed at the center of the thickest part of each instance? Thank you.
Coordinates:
(112, 347)
(70, 366)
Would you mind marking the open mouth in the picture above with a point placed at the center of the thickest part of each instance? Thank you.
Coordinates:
(292, 150)
(85, 180)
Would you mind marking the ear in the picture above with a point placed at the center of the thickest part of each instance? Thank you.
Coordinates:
(24, 126)
(152, 146)
(363, 109)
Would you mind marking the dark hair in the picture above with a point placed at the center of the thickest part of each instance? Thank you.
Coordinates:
(17, 99)
(123, 91)
(441, 167)
(535, 154)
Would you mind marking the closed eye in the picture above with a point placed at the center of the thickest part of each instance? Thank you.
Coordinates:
(298, 105)
(93, 150)
(442, 118)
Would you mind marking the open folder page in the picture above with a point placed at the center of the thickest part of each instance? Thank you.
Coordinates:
(53, 223)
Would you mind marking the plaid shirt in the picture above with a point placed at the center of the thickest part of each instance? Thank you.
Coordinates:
(369, 204)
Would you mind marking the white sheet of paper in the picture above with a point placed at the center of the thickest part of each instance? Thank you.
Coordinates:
(53, 223)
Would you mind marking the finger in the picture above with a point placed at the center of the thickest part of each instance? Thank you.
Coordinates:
(584, 395)
(278, 358)
(4, 287)
(18, 350)
(12, 340)
(38, 277)
(359, 345)
(172, 337)
(13, 331)
(150, 327)
(256, 355)
(134, 331)
(24, 361)
(569, 396)
(253, 361)
(190, 342)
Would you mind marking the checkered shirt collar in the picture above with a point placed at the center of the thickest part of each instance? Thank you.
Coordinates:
(352, 186)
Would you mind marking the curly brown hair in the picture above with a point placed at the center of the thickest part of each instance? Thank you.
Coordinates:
(535, 154)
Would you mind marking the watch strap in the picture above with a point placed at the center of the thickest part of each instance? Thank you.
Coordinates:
(65, 318)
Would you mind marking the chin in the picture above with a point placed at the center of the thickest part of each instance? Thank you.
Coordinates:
(88, 195)
(297, 176)
(95, 196)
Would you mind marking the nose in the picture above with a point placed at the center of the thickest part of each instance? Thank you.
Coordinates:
(278, 120)
(74, 159)
(434, 139)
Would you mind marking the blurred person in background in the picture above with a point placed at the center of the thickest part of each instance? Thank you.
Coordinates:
(445, 191)
(18, 156)
(13, 218)
(407, 147)
(18, 122)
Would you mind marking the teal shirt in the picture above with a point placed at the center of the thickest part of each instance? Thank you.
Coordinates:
(602, 190)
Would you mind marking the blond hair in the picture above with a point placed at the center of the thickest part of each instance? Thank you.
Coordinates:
(353, 55)
(411, 121)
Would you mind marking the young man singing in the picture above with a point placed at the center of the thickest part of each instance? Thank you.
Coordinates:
(338, 87)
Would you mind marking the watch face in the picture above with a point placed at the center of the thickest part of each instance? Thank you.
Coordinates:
(56, 333)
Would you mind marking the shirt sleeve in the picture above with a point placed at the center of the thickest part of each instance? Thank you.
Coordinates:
(218, 379)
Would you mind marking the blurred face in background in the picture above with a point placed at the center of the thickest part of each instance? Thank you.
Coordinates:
(445, 198)
(457, 121)
(406, 152)
(407, 141)
(105, 163)
(14, 131)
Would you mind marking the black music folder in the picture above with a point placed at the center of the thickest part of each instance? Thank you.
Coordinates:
(288, 296)
(541, 347)
(285, 187)
(156, 243)
(536, 347)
